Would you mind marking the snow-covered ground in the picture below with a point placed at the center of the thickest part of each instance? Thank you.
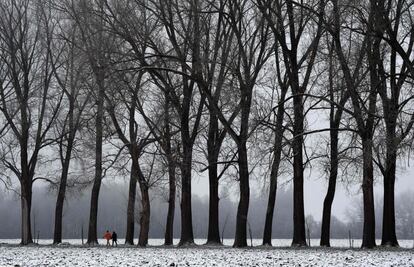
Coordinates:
(77, 255)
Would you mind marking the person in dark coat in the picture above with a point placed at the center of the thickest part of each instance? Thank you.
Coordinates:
(114, 239)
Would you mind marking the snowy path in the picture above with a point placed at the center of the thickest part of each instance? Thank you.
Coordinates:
(12, 255)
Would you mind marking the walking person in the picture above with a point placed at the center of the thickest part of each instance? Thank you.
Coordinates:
(108, 237)
(114, 239)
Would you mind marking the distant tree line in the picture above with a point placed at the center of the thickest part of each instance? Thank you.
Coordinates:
(113, 209)
(162, 90)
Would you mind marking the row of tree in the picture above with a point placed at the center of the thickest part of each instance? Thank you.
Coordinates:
(154, 88)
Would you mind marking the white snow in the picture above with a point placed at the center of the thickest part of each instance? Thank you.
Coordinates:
(75, 254)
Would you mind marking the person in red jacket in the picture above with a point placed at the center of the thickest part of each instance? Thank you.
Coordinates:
(108, 237)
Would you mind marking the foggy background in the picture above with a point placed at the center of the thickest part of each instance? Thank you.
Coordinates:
(346, 211)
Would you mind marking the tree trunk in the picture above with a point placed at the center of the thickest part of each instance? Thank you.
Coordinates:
(240, 239)
(368, 238)
(267, 235)
(366, 133)
(93, 217)
(187, 236)
(299, 235)
(129, 236)
(72, 125)
(333, 174)
(26, 204)
(277, 151)
(169, 229)
(57, 235)
(145, 216)
(389, 237)
(25, 181)
(213, 236)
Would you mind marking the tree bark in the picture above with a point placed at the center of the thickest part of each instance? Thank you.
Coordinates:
(299, 235)
(93, 217)
(333, 173)
(26, 205)
(26, 178)
(213, 236)
(240, 239)
(335, 116)
(26, 183)
(267, 235)
(368, 237)
(57, 235)
(366, 133)
(145, 214)
(187, 236)
(277, 151)
(129, 236)
(169, 229)
(389, 237)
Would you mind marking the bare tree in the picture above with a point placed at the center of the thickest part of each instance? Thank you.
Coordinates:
(395, 93)
(214, 47)
(364, 110)
(177, 21)
(122, 108)
(137, 25)
(278, 130)
(251, 37)
(29, 103)
(96, 45)
(337, 96)
(71, 78)
(288, 21)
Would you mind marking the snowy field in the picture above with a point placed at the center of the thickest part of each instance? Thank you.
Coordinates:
(74, 254)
